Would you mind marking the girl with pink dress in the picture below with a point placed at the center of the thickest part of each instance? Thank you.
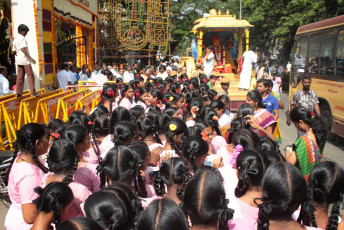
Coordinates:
(141, 97)
(86, 173)
(25, 175)
(205, 200)
(52, 208)
(119, 114)
(100, 128)
(108, 97)
(278, 203)
(127, 94)
(63, 162)
(250, 166)
(277, 84)
(173, 174)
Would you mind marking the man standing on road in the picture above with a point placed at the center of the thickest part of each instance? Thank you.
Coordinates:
(306, 98)
(23, 60)
(249, 58)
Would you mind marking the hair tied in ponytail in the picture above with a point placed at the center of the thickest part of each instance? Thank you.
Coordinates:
(215, 118)
(57, 136)
(100, 167)
(38, 190)
(137, 93)
(90, 123)
(111, 92)
(265, 206)
(237, 150)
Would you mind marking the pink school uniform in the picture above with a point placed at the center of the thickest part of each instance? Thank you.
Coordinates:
(87, 176)
(245, 216)
(80, 192)
(91, 156)
(230, 181)
(106, 145)
(23, 178)
(125, 103)
(218, 142)
(225, 154)
(142, 104)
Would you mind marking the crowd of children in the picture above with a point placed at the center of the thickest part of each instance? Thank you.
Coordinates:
(169, 154)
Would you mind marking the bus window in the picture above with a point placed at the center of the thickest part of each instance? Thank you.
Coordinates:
(314, 53)
(326, 52)
(300, 54)
(340, 54)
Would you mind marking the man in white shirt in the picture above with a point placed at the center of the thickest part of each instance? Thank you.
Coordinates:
(114, 69)
(249, 58)
(63, 77)
(120, 73)
(4, 83)
(162, 72)
(23, 60)
(128, 75)
(208, 61)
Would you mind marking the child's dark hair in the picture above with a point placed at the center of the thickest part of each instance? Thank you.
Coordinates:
(279, 202)
(111, 209)
(191, 131)
(79, 223)
(212, 93)
(100, 128)
(244, 110)
(204, 90)
(202, 206)
(217, 104)
(54, 196)
(247, 139)
(136, 111)
(175, 126)
(225, 98)
(162, 214)
(120, 114)
(194, 147)
(174, 87)
(140, 149)
(139, 92)
(146, 128)
(272, 157)
(26, 139)
(56, 126)
(154, 116)
(173, 171)
(75, 133)
(256, 97)
(79, 118)
(314, 121)
(108, 93)
(124, 132)
(102, 109)
(194, 108)
(209, 115)
(63, 159)
(268, 144)
(119, 165)
(326, 185)
(156, 92)
(251, 167)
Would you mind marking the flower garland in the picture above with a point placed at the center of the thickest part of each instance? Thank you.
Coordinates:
(237, 150)
(40, 61)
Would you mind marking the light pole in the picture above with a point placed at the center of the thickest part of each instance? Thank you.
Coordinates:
(240, 9)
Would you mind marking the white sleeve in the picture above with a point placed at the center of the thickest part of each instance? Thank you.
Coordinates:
(70, 78)
(22, 44)
(6, 87)
(211, 56)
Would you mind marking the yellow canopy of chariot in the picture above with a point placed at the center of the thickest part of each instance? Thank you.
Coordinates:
(219, 22)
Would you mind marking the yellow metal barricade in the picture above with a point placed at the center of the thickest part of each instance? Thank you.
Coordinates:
(47, 107)
(67, 104)
(86, 103)
(28, 107)
(10, 113)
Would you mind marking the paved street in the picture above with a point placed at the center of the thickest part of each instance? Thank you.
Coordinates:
(333, 150)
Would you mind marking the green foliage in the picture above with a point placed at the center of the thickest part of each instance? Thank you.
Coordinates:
(272, 19)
